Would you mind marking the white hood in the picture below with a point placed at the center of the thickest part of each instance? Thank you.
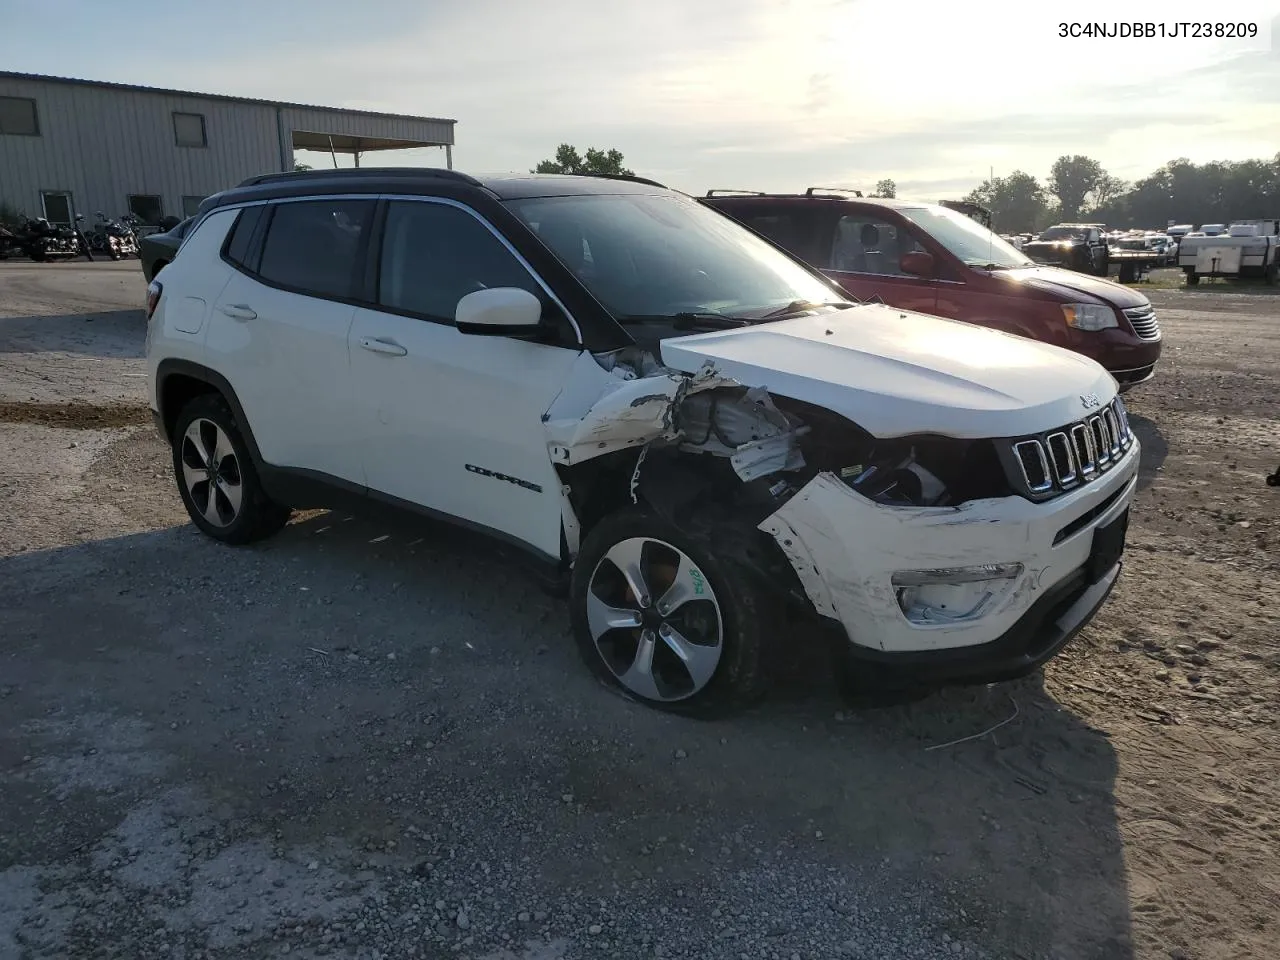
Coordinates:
(896, 373)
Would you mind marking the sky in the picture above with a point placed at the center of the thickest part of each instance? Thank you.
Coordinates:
(750, 94)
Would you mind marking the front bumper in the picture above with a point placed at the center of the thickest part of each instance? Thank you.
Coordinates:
(845, 550)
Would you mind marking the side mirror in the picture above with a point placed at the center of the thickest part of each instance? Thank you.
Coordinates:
(500, 312)
(918, 264)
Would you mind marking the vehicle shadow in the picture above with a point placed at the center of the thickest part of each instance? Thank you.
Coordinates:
(117, 334)
(297, 680)
(1155, 448)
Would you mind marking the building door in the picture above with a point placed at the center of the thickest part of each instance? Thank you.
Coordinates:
(57, 206)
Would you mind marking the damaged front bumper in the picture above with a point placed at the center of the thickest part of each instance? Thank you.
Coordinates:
(985, 590)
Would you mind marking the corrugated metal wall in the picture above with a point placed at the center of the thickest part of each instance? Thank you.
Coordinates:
(102, 144)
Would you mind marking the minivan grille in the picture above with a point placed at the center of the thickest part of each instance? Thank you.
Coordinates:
(1075, 454)
(1144, 323)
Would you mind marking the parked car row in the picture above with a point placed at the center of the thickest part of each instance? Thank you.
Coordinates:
(694, 429)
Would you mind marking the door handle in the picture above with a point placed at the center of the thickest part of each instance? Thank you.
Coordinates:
(239, 311)
(383, 345)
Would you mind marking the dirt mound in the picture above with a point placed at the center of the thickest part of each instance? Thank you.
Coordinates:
(77, 416)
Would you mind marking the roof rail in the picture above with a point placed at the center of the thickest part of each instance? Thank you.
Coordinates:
(814, 190)
(749, 193)
(356, 172)
(626, 176)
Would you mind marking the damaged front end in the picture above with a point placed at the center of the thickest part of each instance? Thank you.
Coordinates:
(705, 450)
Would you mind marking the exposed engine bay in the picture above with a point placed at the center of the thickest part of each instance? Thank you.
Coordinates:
(745, 445)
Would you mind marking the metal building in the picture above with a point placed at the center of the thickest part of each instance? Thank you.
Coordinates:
(80, 146)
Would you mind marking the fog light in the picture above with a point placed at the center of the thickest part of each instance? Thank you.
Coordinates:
(953, 594)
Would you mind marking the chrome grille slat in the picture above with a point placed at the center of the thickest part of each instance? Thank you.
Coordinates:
(1063, 459)
(1144, 322)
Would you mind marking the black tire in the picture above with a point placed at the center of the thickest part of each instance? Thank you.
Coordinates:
(259, 516)
(1193, 279)
(1272, 274)
(1104, 264)
(749, 615)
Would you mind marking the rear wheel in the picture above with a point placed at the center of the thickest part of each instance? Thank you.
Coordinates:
(661, 617)
(1193, 279)
(216, 477)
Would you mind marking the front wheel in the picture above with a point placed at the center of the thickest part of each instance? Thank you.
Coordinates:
(663, 618)
(217, 478)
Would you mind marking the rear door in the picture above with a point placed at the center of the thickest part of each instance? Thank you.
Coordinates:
(279, 332)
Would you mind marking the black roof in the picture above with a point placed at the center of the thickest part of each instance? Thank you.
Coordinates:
(428, 181)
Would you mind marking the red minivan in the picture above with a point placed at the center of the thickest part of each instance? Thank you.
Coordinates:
(931, 259)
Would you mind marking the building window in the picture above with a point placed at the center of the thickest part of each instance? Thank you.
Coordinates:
(18, 117)
(57, 205)
(191, 206)
(188, 130)
(146, 208)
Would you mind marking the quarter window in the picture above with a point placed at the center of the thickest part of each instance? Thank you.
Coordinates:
(864, 244)
(242, 235)
(18, 117)
(317, 246)
(433, 255)
(188, 130)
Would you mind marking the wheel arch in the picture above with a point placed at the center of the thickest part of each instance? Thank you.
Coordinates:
(178, 382)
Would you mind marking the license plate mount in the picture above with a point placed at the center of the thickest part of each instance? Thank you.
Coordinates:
(1108, 547)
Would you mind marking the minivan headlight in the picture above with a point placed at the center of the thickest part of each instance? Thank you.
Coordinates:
(1090, 317)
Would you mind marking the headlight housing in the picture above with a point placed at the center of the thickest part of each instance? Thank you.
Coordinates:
(1090, 317)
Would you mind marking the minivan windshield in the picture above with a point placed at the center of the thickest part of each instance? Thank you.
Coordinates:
(965, 238)
(654, 255)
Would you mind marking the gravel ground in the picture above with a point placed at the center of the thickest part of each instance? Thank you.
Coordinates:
(357, 741)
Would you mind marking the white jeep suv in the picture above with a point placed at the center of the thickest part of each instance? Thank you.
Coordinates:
(682, 423)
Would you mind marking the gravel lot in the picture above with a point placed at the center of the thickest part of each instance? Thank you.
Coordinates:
(357, 741)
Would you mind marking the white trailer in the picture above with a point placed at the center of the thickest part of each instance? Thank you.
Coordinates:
(1247, 248)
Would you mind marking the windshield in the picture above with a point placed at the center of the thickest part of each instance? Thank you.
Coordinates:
(1064, 233)
(658, 255)
(966, 239)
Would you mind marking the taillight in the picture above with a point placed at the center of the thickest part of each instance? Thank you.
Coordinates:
(154, 289)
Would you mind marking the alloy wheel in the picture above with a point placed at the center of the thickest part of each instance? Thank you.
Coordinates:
(211, 472)
(654, 619)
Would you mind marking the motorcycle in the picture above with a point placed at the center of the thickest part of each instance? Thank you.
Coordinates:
(41, 240)
(115, 238)
(8, 242)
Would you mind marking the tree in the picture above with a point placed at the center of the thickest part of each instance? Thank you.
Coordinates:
(1071, 179)
(299, 167)
(568, 160)
(1017, 202)
(887, 189)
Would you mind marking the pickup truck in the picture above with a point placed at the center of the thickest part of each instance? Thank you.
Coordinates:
(1074, 246)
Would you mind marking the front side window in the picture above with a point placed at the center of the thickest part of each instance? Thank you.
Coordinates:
(656, 255)
(434, 254)
(317, 246)
(965, 239)
(18, 117)
(868, 244)
(188, 130)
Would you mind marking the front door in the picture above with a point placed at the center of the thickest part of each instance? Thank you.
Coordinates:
(58, 206)
(450, 421)
(863, 257)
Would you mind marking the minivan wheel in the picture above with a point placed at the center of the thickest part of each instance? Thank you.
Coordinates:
(216, 476)
(661, 618)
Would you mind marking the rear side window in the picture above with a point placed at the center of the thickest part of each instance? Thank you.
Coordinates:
(317, 246)
(241, 235)
(433, 255)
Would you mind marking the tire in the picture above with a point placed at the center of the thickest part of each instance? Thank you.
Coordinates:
(253, 516)
(1193, 279)
(723, 603)
(1272, 274)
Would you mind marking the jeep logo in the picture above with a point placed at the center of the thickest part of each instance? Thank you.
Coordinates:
(1090, 400)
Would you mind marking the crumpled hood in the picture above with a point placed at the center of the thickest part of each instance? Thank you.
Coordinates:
(1068, 284)
(896, 373)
